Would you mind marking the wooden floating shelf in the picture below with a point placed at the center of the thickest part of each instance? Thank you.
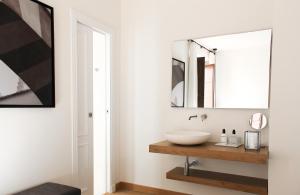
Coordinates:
(222, 180)
(209, 150)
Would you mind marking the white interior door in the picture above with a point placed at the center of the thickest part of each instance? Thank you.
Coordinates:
(101, 110)
(85, 129)
(93, 98)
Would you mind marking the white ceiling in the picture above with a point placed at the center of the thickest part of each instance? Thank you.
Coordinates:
(237, 41)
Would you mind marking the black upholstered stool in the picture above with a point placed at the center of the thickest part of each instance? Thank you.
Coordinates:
(51, 189)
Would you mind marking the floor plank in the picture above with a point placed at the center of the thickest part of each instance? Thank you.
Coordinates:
(127, 193)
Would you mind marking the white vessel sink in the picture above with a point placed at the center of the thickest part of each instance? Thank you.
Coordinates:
(187, 137)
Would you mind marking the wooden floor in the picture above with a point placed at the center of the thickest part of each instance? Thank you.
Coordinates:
(127, 193)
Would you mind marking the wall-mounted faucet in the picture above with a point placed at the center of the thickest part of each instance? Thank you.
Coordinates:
(193, 116)
(203, 117)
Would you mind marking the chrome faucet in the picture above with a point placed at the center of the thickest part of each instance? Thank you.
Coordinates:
(193, 116)
(188, 165)
(203, 117)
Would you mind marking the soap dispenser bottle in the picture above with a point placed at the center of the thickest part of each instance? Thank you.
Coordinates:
(234, 139)
(224, 138)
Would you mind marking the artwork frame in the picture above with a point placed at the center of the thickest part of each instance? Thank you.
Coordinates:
(45, 93)
(181, 64)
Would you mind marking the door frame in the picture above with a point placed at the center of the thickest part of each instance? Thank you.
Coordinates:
(76, 18)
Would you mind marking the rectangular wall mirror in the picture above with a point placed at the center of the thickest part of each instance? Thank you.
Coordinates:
(228, 71)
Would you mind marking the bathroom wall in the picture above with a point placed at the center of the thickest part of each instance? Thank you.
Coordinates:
(148, 31)
(36, 144)
(240, 65)
(284, 172)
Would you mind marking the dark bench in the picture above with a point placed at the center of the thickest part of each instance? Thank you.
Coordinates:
(51, 189)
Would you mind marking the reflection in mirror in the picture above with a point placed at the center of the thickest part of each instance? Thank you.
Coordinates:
(177, 97)
(258, 121)
(229, 71)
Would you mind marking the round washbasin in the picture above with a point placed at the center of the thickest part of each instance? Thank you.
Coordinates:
(187, 137)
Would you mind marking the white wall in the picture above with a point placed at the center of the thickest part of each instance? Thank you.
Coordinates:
(252, 74)
(148, 31)
(35, 144)
(284, 171)
(180, 50)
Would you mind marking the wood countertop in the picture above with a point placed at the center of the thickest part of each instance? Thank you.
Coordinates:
(209, 150)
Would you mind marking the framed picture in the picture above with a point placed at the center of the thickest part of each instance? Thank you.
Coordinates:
(26, 54)
(178, 83)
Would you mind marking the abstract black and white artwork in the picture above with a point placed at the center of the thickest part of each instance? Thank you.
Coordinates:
(26, 54)
(178, 76)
